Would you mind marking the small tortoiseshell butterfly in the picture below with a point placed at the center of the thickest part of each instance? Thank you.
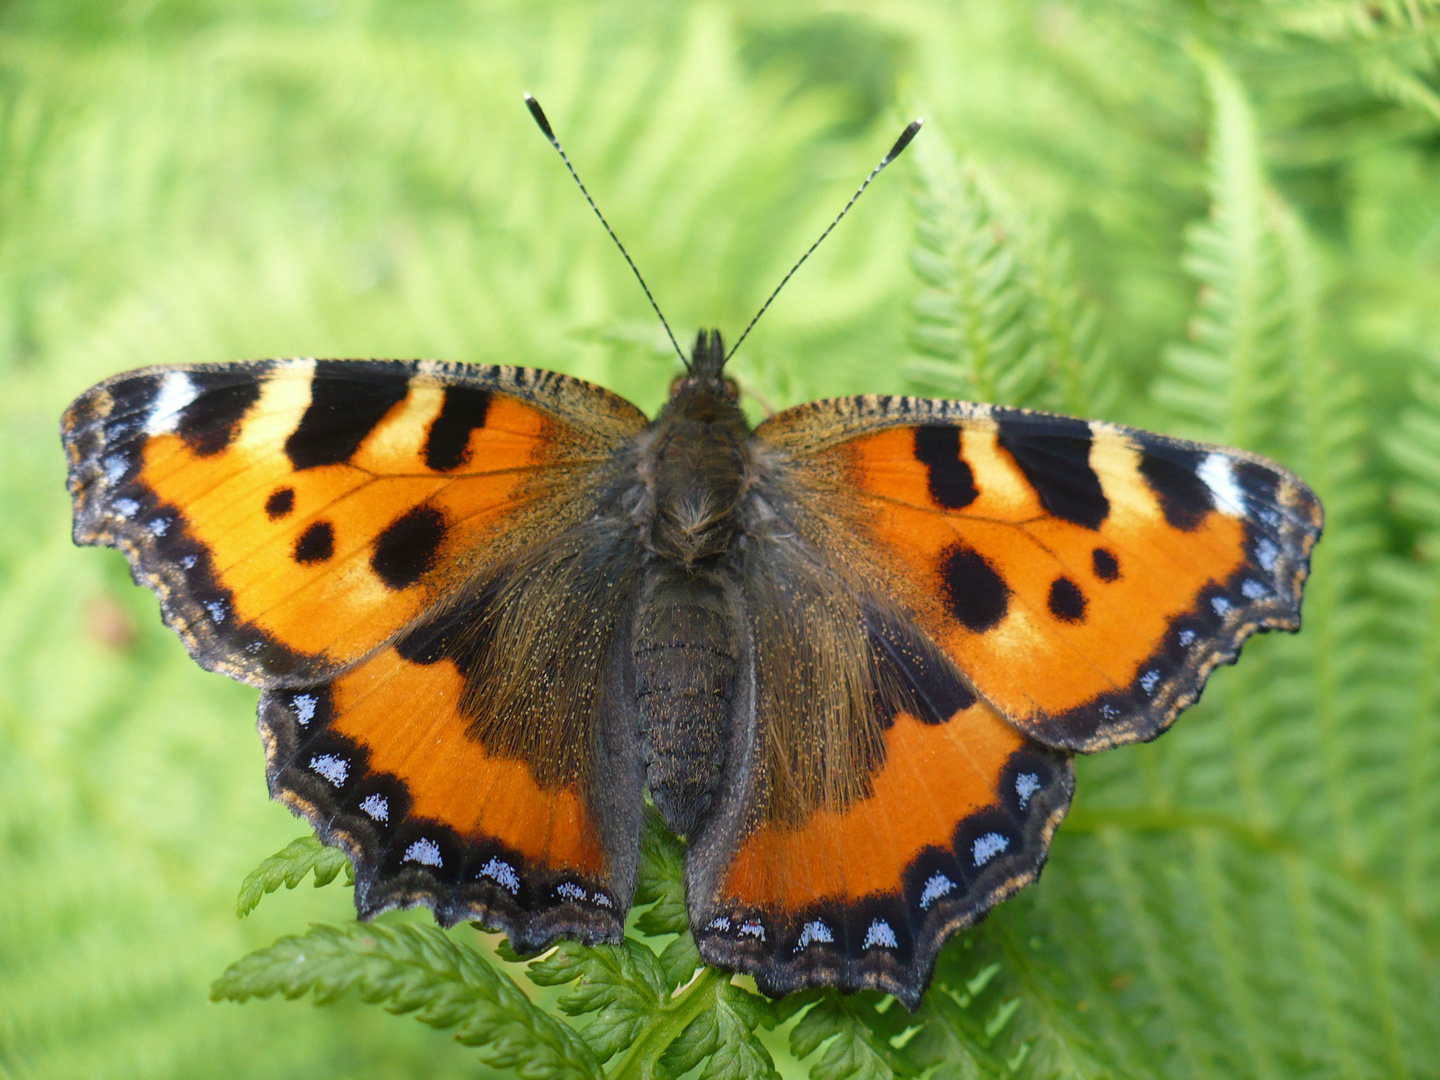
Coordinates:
(850, 653)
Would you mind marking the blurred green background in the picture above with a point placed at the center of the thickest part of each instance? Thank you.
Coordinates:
(1218, 219)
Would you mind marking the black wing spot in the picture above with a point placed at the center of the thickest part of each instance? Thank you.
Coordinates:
(448, 444)
(1054, 454)
(977, 594)
(462, 634)
(280, 503)
(1067, 602)
(346, 402)
(408, 546)
(910, 675)
(316, 544)
(952, 484)
(1106, 566)
(209, 423)
(1184, 497)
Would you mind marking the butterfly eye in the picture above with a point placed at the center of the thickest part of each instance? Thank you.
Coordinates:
(732, 388)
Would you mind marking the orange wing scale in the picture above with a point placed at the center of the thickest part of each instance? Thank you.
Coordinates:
(295, 515)
(1038, 585)
(450, 777)
(321, 528)
(933, 776)
(1153, 573)
(1086, 578)
(338, 605)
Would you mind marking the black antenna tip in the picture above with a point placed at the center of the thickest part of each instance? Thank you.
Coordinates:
(895, 151)
(539, 115)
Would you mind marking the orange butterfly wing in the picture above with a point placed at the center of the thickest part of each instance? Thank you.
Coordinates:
(1031, 586)
(390, 761)
(336, 532)
(1085, 577)
(293, 515)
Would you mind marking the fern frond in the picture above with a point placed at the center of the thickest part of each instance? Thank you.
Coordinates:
(1227, 378)
(1412, 587)
(999, 317)
(849, 1036)
(289, 867)
(416, 969)
(970, 317)
(724, 1037)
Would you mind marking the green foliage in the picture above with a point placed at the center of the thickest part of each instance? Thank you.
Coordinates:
(997, 318)
(291, 866)
(416, 969)
(1210, 219)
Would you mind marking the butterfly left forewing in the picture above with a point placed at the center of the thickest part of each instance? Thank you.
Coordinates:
(1085, 577)
(293, 515)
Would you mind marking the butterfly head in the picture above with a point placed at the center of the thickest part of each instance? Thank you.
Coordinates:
(703, 392)
(707, 359)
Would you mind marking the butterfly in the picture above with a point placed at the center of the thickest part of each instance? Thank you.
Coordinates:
(850, 653)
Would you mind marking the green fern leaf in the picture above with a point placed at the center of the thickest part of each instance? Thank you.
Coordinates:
(661, 883)
(998, 318)
(849, 1035)
(289, 867)
(970, 316)
(421, 970)
(723, 1036)
(1229, 377)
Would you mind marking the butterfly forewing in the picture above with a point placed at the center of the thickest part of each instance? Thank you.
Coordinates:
(1086, 578)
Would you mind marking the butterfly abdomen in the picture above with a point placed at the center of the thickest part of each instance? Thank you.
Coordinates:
(685, 662)
(691, 464)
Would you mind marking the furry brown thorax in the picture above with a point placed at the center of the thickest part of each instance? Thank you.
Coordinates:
(695, 463)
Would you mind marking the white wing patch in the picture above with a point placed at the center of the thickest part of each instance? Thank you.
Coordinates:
(177, 390)
(1219, 477)
(425, 852)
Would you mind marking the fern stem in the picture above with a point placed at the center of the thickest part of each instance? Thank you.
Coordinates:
(1384, 1002)
(640, 1061)
(1330, 1012)
(1229, 955)
(1423, 748)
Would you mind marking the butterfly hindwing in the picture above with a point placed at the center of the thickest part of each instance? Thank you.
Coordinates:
(521, 820)
(293, 515)
(1085, 577)
(875, 804)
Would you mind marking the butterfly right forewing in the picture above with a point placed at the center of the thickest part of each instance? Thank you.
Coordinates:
(1085, 577)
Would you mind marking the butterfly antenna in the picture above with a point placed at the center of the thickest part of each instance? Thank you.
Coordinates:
(549, 132)
(895, 151)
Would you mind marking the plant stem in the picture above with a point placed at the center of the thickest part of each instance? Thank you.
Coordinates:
(672, 1019)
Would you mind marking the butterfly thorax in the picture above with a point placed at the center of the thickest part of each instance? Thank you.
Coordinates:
(692, 462)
